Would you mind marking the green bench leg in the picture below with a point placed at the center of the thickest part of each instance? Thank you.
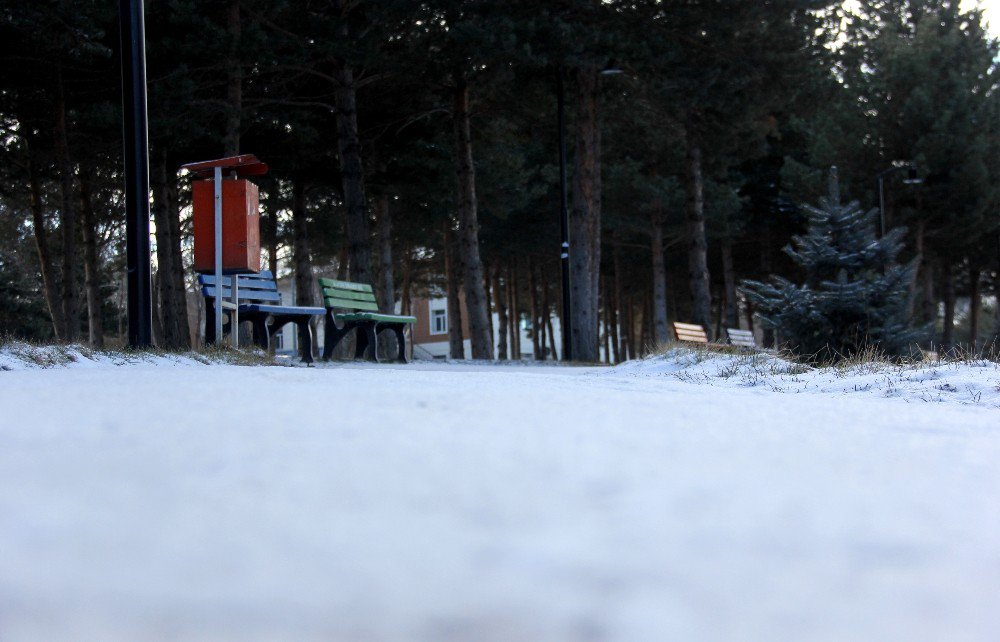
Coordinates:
(399, 331)
(332, 336)
(367, 342)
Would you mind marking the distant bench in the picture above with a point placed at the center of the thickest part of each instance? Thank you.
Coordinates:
(362, 316)
(259, 303)
(692, 333)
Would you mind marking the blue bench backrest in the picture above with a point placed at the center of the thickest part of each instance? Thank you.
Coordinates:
(254, 288)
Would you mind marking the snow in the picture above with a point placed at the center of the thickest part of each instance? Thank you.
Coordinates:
(687, 497)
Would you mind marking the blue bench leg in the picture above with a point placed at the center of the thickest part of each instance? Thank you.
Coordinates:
(306, 335)
(210, 337)
(260, 334)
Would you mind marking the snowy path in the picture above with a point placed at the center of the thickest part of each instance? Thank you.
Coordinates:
(487, 503)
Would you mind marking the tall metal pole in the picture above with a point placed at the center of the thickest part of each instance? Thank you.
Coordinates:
(217, 182)
(567, 316)
(133, 53)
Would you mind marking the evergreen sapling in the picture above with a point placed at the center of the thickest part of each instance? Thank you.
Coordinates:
(855, 295)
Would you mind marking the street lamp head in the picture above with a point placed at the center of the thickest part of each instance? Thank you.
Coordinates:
(611, 69)
(911, 176)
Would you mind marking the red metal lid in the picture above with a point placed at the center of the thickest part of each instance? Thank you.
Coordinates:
(243, 165)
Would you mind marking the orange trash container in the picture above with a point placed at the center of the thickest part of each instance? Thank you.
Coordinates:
(240, 226)
(240, 214)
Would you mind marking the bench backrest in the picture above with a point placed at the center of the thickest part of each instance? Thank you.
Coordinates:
(741, 338)
(345, 295)
(253, 288)
(690, 332)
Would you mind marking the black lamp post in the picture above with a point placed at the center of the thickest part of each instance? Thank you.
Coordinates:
(911, 179)
(133, 53)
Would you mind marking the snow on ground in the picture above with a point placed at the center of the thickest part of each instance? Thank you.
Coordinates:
(971, 382)
(161, 498)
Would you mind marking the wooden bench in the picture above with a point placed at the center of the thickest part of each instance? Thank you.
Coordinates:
(690, 333)
(260, 304)
(362, 315)
(741, 338)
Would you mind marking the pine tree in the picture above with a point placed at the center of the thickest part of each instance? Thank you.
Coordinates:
(855, 295)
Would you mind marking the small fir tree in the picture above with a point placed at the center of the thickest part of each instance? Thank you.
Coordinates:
(855, 295)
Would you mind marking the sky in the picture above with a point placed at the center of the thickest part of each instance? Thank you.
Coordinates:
(992, 8)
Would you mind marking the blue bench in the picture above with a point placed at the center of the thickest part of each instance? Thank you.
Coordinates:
(259, 303)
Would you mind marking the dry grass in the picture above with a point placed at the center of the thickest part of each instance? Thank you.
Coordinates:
(50, 355)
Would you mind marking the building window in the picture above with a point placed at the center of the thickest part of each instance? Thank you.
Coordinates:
(439, 321)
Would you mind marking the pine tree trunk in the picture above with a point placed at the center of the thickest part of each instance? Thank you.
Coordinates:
(645, 325)
(179, 289)
(718, 308)
(551, 334)
(948, 331)
(406, 305)
(500, 305)
(919, 247)
(930, 301)
(630, 327)
(269, 239)
(585, 219)
(974, 307)
(166, 311)
(661, 333)
(91, 266)
(767, 338)
(68, 224)
(53, 298)
(386, 289)
(618, 343)
(234, 82)
(468, 217)
(300, 251)
(342, 260)
(605, 347)
(701, 293)
(514, 323)
(543, 313)
(304, 294)
(157, 322)
(536, 347)
(611, 303)
(551, 330)
(456, 343)
(489, 300)
(732, 311)
(352, 174)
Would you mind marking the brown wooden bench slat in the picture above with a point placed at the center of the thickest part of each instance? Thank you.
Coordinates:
(690, 332)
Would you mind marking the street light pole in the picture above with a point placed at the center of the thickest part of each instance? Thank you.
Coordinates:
(567, 317)
(137, 258)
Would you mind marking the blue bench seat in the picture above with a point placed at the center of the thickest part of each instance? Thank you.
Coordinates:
(260, 304)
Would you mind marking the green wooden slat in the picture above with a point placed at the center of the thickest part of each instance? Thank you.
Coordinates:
(335, 293)
(348, 304)
(367, 316)
(345, 285)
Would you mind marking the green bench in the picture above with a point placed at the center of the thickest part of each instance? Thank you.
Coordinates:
(353, 307)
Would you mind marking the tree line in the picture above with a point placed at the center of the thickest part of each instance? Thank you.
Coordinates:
(414, 145)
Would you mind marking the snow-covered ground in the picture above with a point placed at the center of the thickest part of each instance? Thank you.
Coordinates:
(689, 497)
